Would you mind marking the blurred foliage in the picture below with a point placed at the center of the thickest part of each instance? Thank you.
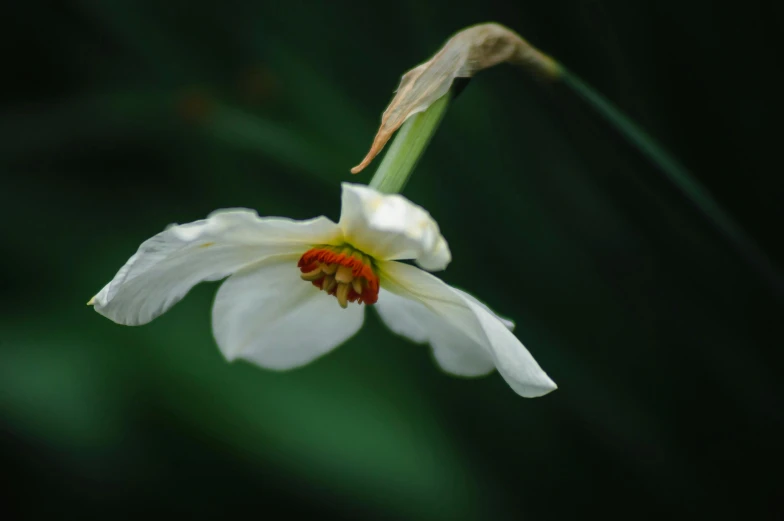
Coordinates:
(120, 117)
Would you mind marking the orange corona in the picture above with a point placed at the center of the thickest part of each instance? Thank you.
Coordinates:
(342, 271)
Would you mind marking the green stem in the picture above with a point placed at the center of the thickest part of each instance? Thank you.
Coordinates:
(680, 177)
(407, 147)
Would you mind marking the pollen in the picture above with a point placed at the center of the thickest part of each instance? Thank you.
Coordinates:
(342, 271)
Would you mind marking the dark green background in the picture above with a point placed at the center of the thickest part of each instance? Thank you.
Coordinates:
(119, 118)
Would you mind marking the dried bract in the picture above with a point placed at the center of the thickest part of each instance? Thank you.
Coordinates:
(466, 53)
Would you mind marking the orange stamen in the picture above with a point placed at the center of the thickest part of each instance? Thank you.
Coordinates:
(343, 272)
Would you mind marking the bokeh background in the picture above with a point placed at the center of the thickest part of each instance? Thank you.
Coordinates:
(120, 117)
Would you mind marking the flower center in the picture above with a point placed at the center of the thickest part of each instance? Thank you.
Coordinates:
(341, 271)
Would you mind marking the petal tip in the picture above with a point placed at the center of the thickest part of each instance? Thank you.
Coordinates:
(91, 302)
(531, 387)
(543, 388)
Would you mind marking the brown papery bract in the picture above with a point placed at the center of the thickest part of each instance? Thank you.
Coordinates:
(466, 53)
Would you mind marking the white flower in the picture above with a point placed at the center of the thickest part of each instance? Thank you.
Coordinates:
(266, 314)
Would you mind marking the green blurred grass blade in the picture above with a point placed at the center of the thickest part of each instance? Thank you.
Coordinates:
(241, 129)
(682, 179)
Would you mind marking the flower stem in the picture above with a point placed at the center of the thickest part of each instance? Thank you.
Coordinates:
(679, 176)
(407, 147)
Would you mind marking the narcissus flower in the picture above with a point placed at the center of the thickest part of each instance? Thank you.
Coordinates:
(297, 289)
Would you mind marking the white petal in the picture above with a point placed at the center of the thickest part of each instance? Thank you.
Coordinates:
(267, 315)
(390, 227)
(455, 352)
(505, 321)
(169, 264)
(467, 317)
